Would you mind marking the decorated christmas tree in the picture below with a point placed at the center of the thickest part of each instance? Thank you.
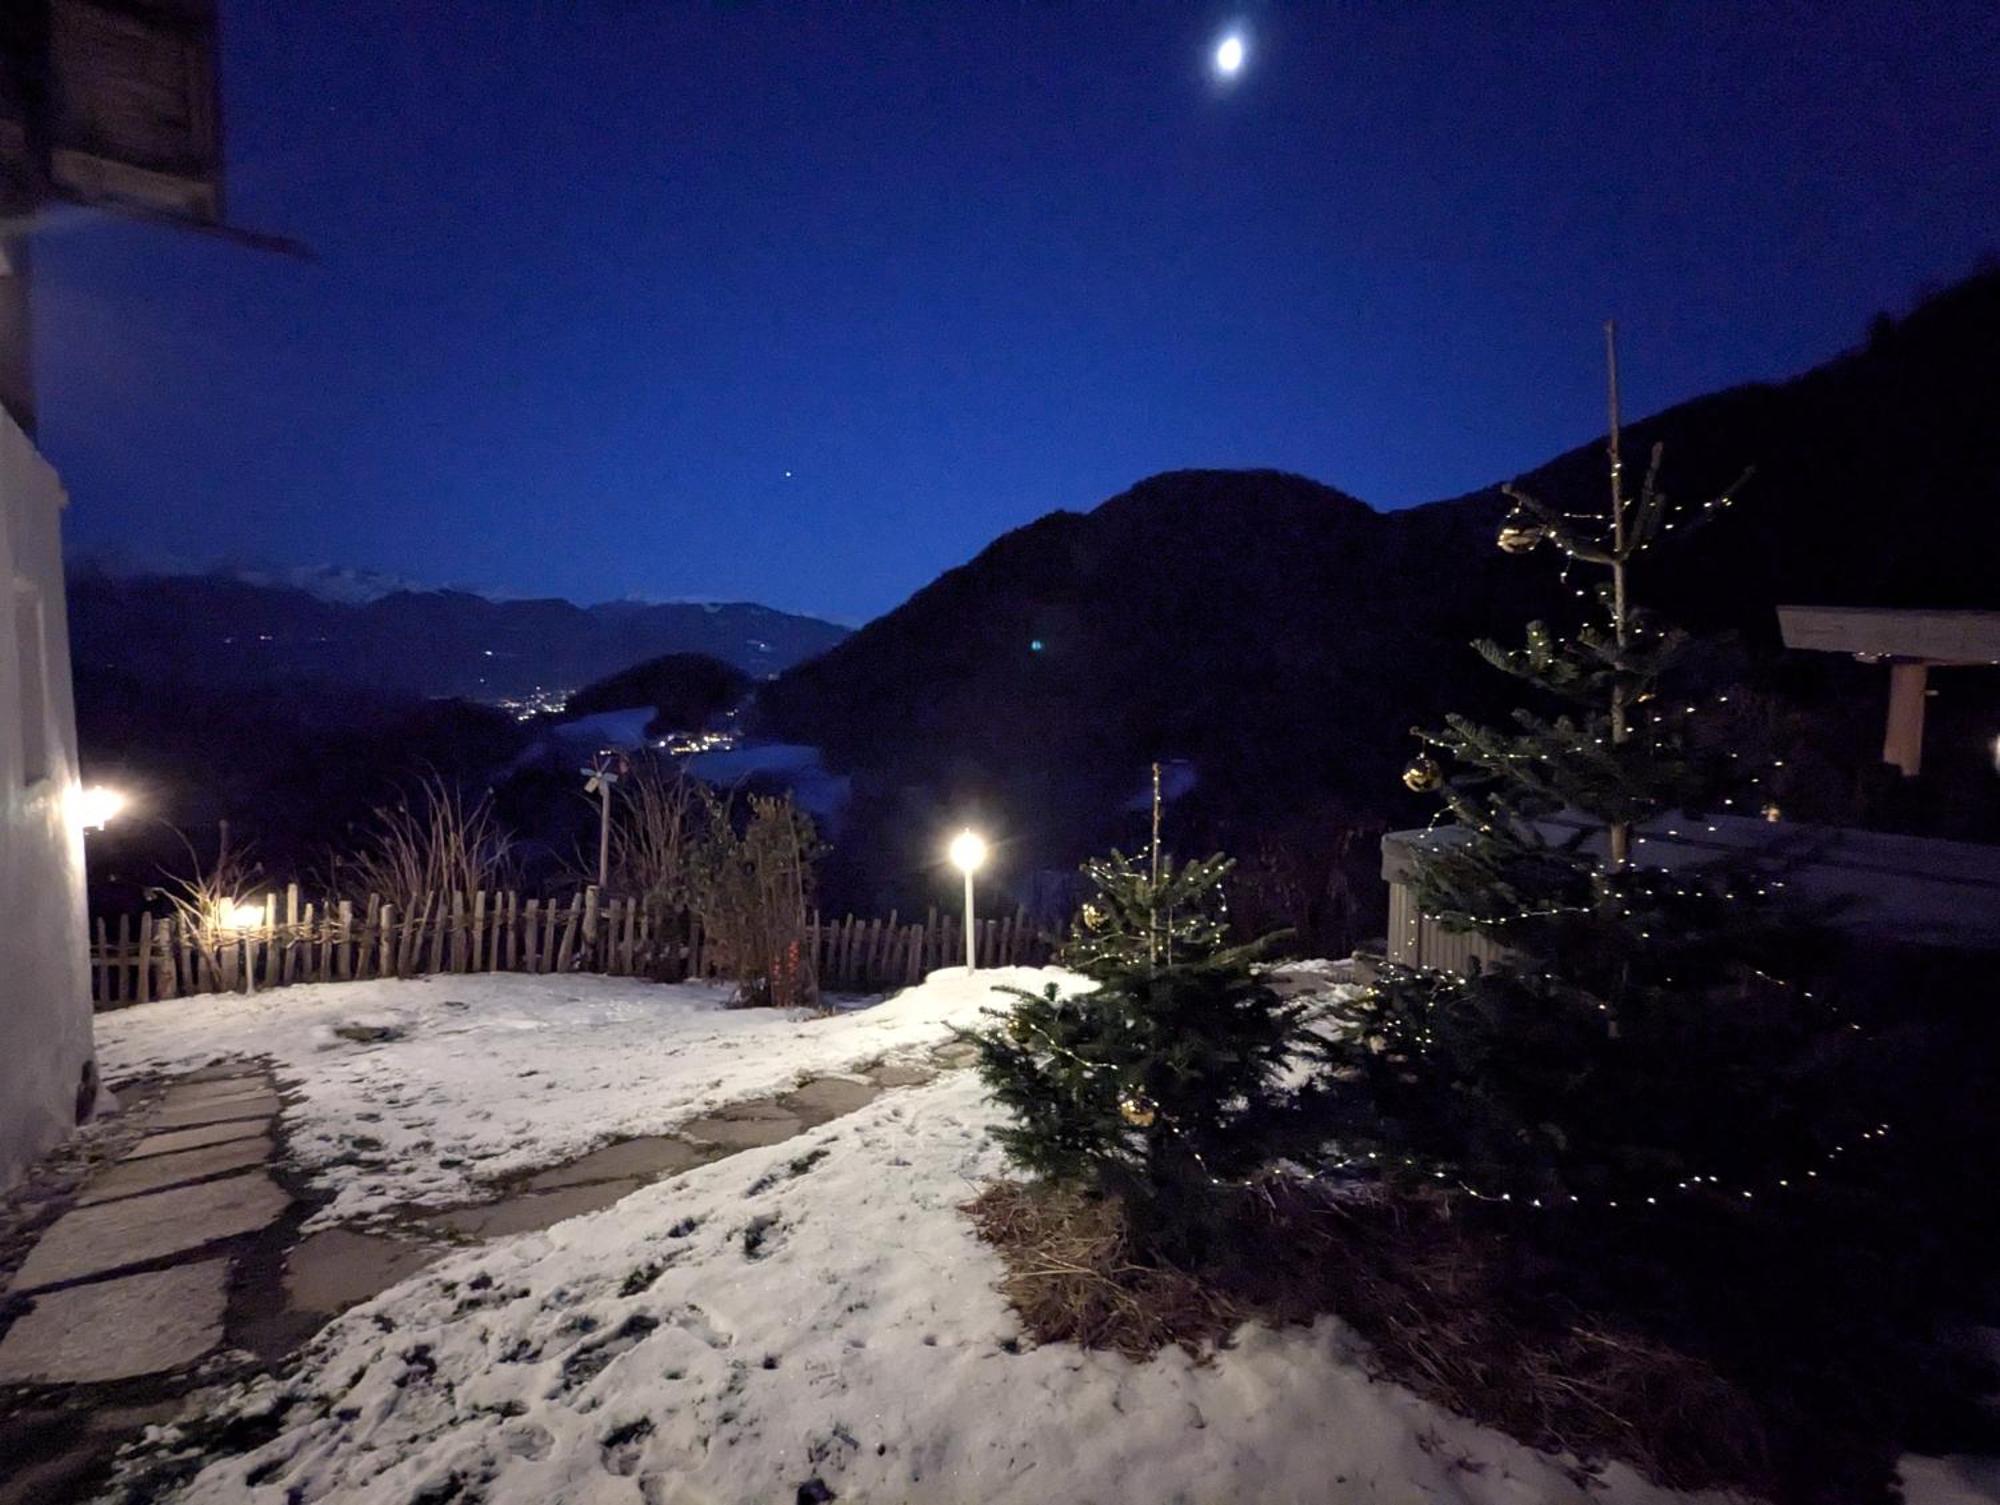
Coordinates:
(1146, 912)
(1144, 909)
(1635, 1034)
(1161, 1086)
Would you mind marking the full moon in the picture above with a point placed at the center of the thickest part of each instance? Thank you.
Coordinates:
(1229, 56)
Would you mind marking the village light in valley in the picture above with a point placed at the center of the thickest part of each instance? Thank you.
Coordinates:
(968, 853)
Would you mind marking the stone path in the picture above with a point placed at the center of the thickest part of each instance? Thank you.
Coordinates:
(124, 1295)
(185, 1249)
(608, 1175)
(164, 1319)
(141, 1240)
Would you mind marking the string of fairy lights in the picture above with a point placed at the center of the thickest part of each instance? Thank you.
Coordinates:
(1601, 541)
(1712, 1186)
(1141, 1113)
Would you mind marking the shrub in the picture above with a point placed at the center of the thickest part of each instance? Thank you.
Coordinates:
(659, 823)
(430, 842)
(752, 889)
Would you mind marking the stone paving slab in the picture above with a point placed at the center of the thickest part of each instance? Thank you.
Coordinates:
(131, 1178)
(116, 1235)
(826, 1098)
(661, 1155)
(734, 1130)
(899, 1074)
(214, 1091)
(119, 1329)
(532, 1213)
(175, 1140)
(223, 1071)
(223, 1110)
(336, 1268)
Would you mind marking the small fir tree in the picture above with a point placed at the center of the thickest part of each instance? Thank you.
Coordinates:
(1147, 914)
(1633, 1039)
(1162, 1087)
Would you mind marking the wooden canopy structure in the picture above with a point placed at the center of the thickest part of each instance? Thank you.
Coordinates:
(1884, 888)
(1911, 643)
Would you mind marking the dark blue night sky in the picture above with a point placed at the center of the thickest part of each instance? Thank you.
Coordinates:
(594, 276)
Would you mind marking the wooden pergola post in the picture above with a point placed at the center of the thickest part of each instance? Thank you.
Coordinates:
(1912, 642)
(1903, 740)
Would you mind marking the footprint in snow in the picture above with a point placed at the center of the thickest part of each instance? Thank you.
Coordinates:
(692, 1320)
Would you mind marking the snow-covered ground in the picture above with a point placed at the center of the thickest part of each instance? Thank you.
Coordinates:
(500, 1073)
(821, 1310)
(815, 1310)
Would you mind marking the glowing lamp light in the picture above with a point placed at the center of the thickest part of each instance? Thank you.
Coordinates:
(97, 806)
(1229, 53)
(236, 915)
(968, 852)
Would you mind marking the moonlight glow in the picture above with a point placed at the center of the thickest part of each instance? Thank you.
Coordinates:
(1229, 55)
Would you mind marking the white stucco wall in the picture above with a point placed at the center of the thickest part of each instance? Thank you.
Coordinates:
(45, 1025)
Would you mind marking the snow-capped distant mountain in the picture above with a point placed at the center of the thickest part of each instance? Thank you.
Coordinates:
(346, 587)
(341, 584)
(244, 624)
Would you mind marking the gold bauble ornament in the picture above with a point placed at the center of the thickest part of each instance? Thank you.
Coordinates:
(1093, 917)
(1423, 774)
(1018, 1028)
(1772, 813)
(1519, 538)
(1137, 1112)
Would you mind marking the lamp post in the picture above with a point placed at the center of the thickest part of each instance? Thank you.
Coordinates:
(235, 920)
(968, 851)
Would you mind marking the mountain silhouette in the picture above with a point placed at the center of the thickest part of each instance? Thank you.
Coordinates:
(1284, 636)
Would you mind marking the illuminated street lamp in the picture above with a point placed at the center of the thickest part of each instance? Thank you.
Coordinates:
(236, 915)
(234, 920)
(97, 806)
(968, 851)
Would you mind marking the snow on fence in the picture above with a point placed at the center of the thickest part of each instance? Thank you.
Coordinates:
(144, 957)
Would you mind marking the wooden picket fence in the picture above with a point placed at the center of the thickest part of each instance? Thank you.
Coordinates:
(144, 957)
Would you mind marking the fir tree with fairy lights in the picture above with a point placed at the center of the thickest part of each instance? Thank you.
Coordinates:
(1162, 1085)
(1147, 910)
(1146, 913)
(1633, 1036)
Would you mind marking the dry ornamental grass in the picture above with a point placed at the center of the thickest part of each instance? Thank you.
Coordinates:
(1429, 1295)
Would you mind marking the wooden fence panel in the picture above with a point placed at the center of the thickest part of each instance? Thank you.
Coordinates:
(146, 957)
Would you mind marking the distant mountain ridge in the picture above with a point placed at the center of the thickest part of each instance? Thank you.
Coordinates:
(246, 626)
(340, 584)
